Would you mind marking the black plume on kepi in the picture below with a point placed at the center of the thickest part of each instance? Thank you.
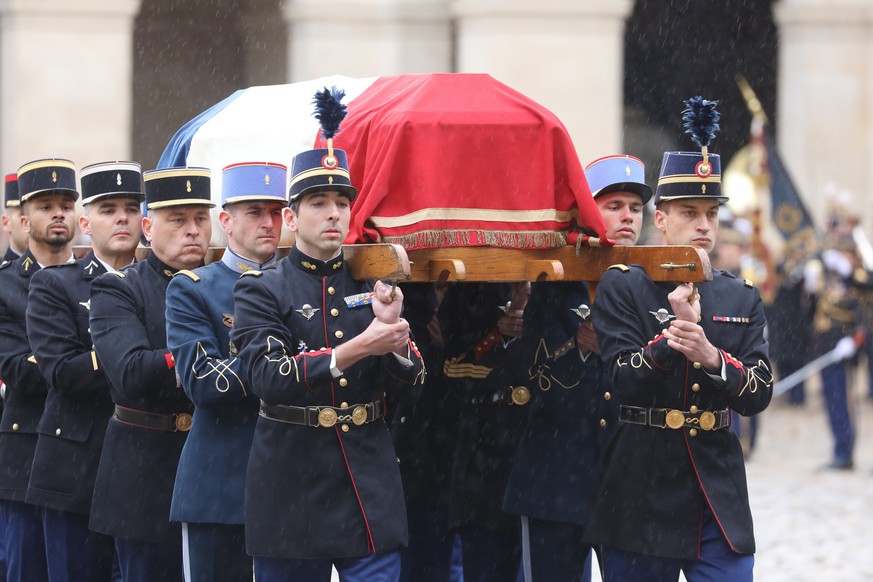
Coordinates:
(693, 174)
(327, 168)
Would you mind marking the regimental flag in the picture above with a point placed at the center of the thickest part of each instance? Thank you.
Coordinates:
(787, 210)
(789, 213)
(439, 160)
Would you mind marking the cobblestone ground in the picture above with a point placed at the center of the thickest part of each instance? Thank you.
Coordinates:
(811, 524)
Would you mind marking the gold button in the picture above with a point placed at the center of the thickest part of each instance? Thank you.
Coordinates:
(696, 365)
(607, 396)
(693, 432)
(334, 311)
(58, 432)
(345, 428)
(15, 426)
(338, 333)
(343, 382)
(520, 395)
(602, 422)
(344, 405)
(184, 422)
(331, 290)
(693, 410)
(695, 387)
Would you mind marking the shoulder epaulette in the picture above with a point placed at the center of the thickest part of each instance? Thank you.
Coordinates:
(118, 273)
(253, 273)
(620, 266)
(190, 274)
(748, 283)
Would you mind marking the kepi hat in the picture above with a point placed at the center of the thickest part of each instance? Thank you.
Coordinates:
(327, 168)
(252, 182)
(618, 173)
(10, 196)
(177, 187)
(48, 176)
(693, 174)
(111, 180)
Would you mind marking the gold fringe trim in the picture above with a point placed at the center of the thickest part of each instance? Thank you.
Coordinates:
(491, 238)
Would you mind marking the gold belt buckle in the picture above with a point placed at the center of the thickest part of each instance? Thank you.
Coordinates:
(359, 415)
(707, 421)
(675, 419)
(183, 422)
(520, 395)
(327, 417)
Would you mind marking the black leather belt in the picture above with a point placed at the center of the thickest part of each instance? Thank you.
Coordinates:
(517, 395)
(325, 416)
(172, 422)
(675, 419)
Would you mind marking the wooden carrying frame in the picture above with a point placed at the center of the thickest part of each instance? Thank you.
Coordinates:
(392, 262)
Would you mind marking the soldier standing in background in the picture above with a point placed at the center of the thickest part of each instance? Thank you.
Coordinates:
(48, 208)
(17, 243)
(209, 493)
(789, 318)
(481, 324)
(830, 280)
(572, 409)
(78, 406)
(12, 225)
(152, 413)
(424, 434)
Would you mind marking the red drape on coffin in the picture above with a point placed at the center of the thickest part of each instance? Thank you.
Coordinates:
(461, 160)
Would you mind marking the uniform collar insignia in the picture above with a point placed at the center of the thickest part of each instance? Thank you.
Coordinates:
(662, 316)
(91, 266)
(165, 270)
(86, 305)
(240, 264)
(27, 264)
(306, 263)
(583, 311)
(307, 311)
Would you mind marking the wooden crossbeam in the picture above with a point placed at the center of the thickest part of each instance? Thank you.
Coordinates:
(662, 263)
(478, 264)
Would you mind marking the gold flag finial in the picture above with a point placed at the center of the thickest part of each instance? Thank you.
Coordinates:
(752, 101)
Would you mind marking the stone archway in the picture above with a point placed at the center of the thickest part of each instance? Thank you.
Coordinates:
(675, 50)
(190, 54)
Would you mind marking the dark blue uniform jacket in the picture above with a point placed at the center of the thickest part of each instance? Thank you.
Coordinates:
(654, 483)
(317, 492)
(572, 411)
(78, 406)
(138, 465)
(26, 389)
